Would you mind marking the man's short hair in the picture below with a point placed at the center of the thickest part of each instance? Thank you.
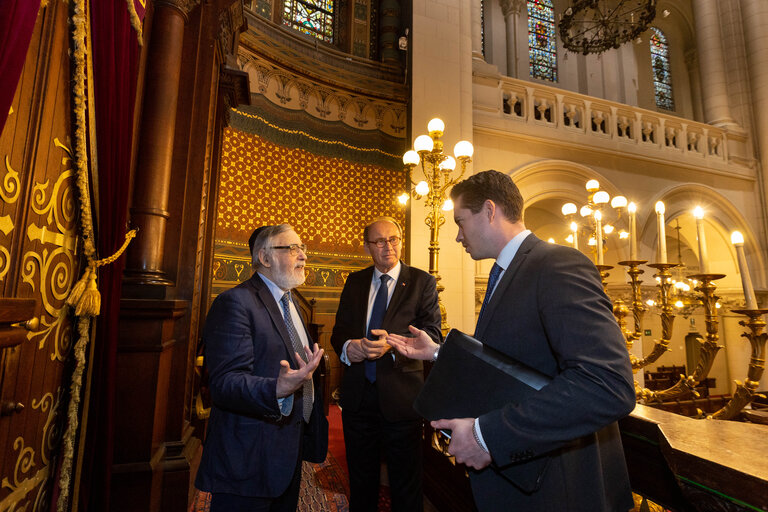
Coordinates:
(493, 185)
(367, 228)
(261, 238)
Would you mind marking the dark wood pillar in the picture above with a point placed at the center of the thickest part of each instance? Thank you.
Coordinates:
(166, 280)
(149, 205)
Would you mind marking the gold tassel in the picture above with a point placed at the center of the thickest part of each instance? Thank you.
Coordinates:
(90, 302)
(79, 288)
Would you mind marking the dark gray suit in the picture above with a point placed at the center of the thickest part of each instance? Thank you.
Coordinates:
(382, 414)
(549, 311)
(250, 448)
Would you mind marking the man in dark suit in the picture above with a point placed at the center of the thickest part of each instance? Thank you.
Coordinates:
(545, 307)
(379, 386)
(266, 415)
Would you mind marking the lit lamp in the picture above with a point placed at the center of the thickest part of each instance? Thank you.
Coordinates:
(437, 168)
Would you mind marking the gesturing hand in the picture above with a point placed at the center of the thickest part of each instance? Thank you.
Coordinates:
(420, 346)
(289, 380)
(374, 349)
(463, 444)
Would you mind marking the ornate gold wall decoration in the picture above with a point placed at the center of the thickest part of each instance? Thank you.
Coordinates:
(53, 269)
(9, 193)
(327, 200)
(23, 483)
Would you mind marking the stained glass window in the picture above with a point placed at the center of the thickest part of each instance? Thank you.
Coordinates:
(662, 78)
(313, 17)
(542, 51)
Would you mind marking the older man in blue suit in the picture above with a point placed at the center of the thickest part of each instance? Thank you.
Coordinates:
(266, 417)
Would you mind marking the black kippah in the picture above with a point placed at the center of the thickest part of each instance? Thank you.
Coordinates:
(252, 239)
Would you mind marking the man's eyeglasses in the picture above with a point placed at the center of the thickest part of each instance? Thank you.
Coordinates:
(394, 241)
(294, 248)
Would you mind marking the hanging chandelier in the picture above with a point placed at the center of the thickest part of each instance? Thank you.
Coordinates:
(595, 26)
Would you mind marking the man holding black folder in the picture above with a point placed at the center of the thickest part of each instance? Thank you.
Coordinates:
(544, 307)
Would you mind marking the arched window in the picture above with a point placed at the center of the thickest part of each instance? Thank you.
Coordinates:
(313, 17)
(542, 52)
(662, 79)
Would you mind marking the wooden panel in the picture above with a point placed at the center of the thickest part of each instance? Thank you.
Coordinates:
(38, 213)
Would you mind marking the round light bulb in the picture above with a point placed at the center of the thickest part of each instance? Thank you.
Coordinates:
(619, 202)
(659, 207)
(598, 215)
(403, 198)
(601, 197)
(737, 238)
(436, 125)
(574, 227)
(463, 149)
(569, 239)
(568, 209)
(679, 304)
(593, 185)
(585, 211)
(608, 229)
(651, 302)
(591, 241)
(698, 212)
(422, 188)
(623, 234)
(448, 164)
(423, 143)
(447, 205)
(411, 157)
(632, 207)
(551, 240)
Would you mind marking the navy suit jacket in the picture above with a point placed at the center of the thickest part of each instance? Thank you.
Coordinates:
(399, 380)
(549, 311)
(250, 448)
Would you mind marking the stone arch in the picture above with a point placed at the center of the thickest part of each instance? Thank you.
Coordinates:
(721, 218)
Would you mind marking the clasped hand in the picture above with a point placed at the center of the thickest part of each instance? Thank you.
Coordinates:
(363, 348)
(289, 380)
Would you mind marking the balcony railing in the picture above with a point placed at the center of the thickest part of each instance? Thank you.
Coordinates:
(608, 125)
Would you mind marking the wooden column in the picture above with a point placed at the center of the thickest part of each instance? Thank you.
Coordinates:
(149, 204)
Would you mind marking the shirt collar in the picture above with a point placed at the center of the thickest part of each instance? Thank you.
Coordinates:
(508, 252)
(394, 273)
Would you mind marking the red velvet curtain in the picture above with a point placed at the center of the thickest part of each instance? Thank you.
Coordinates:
(115, 66)
(17, 22)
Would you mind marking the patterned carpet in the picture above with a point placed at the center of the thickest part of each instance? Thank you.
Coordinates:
(324, 486)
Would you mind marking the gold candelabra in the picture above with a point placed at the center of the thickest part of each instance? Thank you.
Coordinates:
(675, 297)
(437, 168)
(708, 348)
(746, 391)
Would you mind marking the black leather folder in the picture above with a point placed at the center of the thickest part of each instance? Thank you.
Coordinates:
(470, 379)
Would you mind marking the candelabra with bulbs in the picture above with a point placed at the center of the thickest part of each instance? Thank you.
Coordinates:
(438, 169)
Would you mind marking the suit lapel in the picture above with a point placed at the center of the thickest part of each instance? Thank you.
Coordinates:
(366, 276)
(266, 298)
(401, 288)
(506, 280)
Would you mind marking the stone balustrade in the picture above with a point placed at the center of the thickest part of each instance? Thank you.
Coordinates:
(522, 106)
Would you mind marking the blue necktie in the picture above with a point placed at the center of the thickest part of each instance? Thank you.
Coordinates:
(377, 318)
(493, 277)
(298, 347)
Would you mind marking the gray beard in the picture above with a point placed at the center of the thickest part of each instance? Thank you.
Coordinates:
(289, 281)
